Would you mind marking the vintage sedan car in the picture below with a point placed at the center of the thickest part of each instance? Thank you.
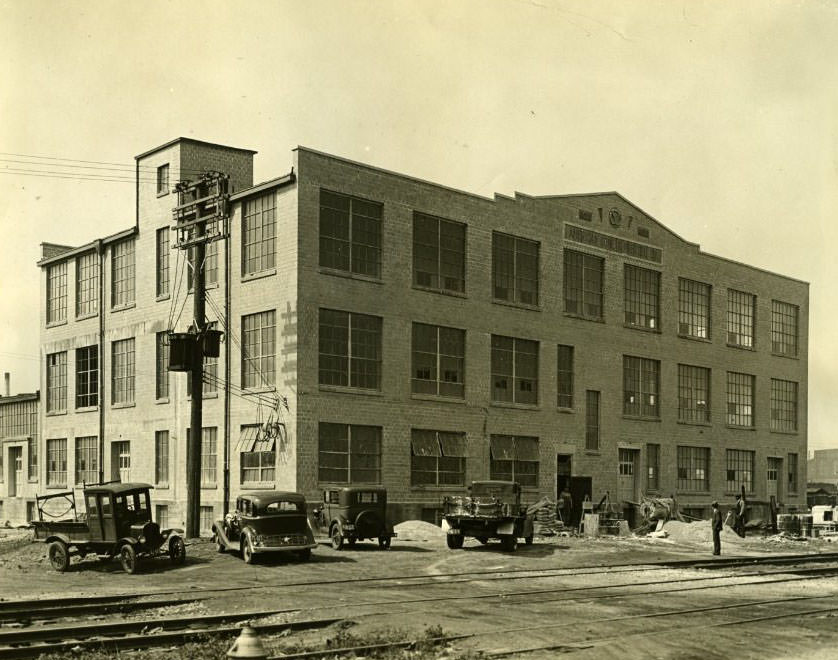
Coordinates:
(266, 522)
(356, 513)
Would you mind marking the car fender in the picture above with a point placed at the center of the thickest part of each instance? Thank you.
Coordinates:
(506, 527)
(58, 537)
(127, 539)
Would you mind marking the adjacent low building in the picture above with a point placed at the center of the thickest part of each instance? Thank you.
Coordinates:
(19, 446)
(384, 329)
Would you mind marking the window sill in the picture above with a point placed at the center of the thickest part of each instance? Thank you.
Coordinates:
(258, 390)
(642, 418)
(350, 390)
(593, 452)
(209, 486)
(443, 292)
(594, 319)
(514, 405)
(87, 409)
(437, 397)
(123, 307)
(519, 305)
(258, 485)
(56, 486)
(56, 324)
(641, 328)
(249, 277)
(736, 427)
(132, 404)
(162, 194)
(565, 410)
(56, 413)
(686, 423)
(702, 340)
(741, 348)
(781, 432)
(209, 395)
(787, 356)
(162, 297)
(32, 480)
(163, 399)
(350, 276)
(89, 315)
(163, 486)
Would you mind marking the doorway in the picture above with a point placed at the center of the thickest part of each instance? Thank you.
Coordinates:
(627, 482)
(15, 469)
(775, 469)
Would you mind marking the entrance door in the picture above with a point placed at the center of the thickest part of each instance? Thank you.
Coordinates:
(15, 469)
(775, 469)
(580, 488)
(563, 470)
(627, 482)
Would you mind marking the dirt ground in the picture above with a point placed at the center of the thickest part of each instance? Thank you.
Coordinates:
(339, 588)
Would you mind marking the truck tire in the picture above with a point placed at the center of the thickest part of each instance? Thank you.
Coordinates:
(59, 556)
(509, 543)
(528, 540)
(454, 541)
(177, 551)
(128, 558)
(384, 542)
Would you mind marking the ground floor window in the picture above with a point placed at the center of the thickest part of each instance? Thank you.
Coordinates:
(792, 468)
(87, 460)
(207, 515)
(161, 515)
(349, 453)
(694, 469)
(437, 458)
(121, 460)
(514, 458)
(739, 470)
(57, 462)
(653, 463)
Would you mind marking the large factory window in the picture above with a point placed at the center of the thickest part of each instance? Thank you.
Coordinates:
(740, 399)
(437, 458)
(349, 454)
(694, 309)
(350, 350)
(641, 387)
(583, 284)
(740, 318)
(439, 253)
(438, 355)
(350, 234)
(784, 317)
(642, 297)
(514, 370)
(693, 393)
(514, 269)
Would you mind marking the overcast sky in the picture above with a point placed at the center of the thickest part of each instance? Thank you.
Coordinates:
(718, 119)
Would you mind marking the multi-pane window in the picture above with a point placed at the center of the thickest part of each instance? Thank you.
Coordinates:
(207, 518)
(87, 460)
(592, 420)
(87, 377)
(162, 362)
(258, 458)
(57, 292)
(57, 462)
(161, 515)
(209, 457)
(791, 466)
(163, 261)
(163, 179)
(514, 370)
(693, 309)
(349, 454)
(439, 253)
(209, 265)
(350, 349)
(32, 461)
(87, 284)
(259, 234)
(740, 399)
(641, 384)
(625, 462)
(438, 355)
(437, 458)
(350, 234)
(693, 469)
(514, 269)
(653, 466)
(783, 405)
(259, 349)
(565, 376)
(161, 458)
(739, 470)
(122, 371)
(514, 458)
(122, 273)
(642, 297)
(583, 284)
(693, 393)
(775, 468)
(121, 460)
(57, 382)
(740, 318)
(784, 319)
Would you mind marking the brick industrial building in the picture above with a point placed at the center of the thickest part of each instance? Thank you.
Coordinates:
(384, 329)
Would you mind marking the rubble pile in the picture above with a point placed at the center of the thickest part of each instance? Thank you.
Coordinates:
(418, 530)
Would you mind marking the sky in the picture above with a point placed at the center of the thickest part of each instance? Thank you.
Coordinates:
(718, 119)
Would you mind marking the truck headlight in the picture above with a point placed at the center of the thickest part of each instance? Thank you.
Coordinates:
(349, 526)
(142, 539)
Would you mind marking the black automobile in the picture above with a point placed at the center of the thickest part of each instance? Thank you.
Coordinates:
(266, 522)
(357, 513)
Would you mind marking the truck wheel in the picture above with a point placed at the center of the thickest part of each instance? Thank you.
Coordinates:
(383, 542)
(337, 538)
(177, 551)
(484, 540)
(247, 550)
(59, 556)
(304, 555)
(454, 541)
(128, 558)
(528, 539)
(509, 543)
(219, 546)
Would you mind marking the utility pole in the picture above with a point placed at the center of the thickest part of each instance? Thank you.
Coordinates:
(200, 217)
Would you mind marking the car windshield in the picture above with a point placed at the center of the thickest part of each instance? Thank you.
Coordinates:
(282, 506)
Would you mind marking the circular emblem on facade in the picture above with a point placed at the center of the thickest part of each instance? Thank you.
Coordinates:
(615, 218)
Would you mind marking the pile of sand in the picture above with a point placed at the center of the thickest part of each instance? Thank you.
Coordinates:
(698, 532)
(418, 530)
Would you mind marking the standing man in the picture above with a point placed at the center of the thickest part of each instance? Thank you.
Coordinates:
(565, 506)
(740, 516)
(717, 529)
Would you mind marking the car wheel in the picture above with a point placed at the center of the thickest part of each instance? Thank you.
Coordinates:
(454, 541)
(128, 558)
(177, 551)
(59, 556)
(304, 555)
(337, 538)
(219, 546)
(509, 543)
(484, 540)
(528, 539)
(384, 542)
(247, 550)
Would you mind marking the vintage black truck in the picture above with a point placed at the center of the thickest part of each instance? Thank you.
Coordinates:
(117, 522)
(491, 510)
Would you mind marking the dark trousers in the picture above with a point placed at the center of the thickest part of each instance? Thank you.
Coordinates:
(717, 542)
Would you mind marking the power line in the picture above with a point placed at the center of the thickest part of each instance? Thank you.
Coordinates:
(128, 166)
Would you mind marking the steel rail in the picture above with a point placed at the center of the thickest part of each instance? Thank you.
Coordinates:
(57, 611)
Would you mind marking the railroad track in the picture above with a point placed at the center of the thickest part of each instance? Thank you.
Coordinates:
(126, 634)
